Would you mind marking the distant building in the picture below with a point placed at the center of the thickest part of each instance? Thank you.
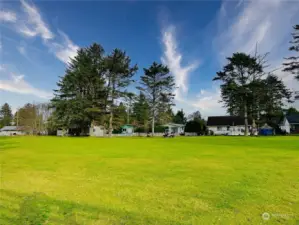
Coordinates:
(127, 129)
(174, 128)
(11, 131)
(290, 124)
(266, 130)
(227, 125)
(97, 131)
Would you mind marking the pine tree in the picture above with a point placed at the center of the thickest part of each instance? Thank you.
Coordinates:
(180, 117)
(5, 115)
(237, 77)
(157, 85)
(292, 65)
(141, 112)
(80, 98)
(119, 73)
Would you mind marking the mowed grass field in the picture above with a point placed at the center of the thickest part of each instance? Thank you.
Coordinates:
(185, 180)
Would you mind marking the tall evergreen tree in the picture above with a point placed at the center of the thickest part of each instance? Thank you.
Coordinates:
(5, 115)
(120, 115)
(274, 93)
(237, 77)
(119, 73)
(130, 98)
(80, 97)
(141, 112)
(157, 85)
(180, 117)
(293, 61)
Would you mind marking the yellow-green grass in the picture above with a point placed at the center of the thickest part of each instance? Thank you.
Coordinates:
(184, 180)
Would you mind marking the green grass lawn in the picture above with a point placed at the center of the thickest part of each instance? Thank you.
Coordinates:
(185, 180)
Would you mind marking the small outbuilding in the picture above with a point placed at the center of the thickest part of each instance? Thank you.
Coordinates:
(11, 131)
(127, 129)
(174, 128)
(266, 130)
(97, 131)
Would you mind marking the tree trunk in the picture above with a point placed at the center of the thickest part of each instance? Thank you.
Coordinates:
(246, 119)
(153, 124)
(110, 123)
(253, 126)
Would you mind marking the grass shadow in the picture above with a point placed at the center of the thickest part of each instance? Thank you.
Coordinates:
(37, 208)
(7, 143)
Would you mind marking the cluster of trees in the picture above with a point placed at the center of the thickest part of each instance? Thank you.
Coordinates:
(97, 90)
(32, 118)
(248, 90)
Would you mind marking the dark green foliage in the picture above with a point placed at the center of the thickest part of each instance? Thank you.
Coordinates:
(246, 89)
(5, 115)
(196, 124)
(141, 113)
(237, 77)
(292, 111)
(157, 85)
(273, 92)
(119, 73)
(180, 117)
(80, 98)
(120, 116)
(292, 65)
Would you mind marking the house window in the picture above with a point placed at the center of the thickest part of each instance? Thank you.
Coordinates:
(218, 128)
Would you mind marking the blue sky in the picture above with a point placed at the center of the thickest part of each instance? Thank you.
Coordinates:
(192, 38)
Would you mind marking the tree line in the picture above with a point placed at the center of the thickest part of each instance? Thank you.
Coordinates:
(97, 89)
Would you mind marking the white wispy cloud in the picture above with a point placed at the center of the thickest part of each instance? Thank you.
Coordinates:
(7, 16)
(16, 83)
(172, 57)
(34, 24)
(208, 102)
(265, 24)
(64, 51)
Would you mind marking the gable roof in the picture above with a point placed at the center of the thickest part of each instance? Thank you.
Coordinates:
(173, 125)
(10, 128)
(293, 118)
(227, 121)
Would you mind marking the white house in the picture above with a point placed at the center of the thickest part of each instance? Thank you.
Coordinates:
(290, 124)
(11, 131)
(97, 131)
(227, 125)
(174, 128)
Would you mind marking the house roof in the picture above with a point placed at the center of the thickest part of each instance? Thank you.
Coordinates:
(227, 121)
(293, 119)
(126, 126)
(10, 128)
